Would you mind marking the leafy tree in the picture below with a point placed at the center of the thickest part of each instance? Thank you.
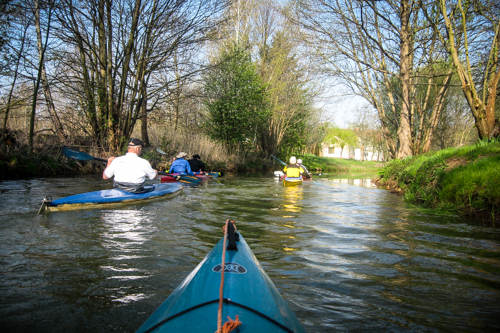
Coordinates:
(341, 137)
(236, 100)
(290, 101)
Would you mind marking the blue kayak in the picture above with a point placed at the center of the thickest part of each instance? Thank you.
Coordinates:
(111, 197)
(214, 174)
(248, 293)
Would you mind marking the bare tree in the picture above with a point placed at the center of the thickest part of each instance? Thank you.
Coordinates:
(470, 32)
(18, 52)
(375, 49)
(42, 44)
(120, 46)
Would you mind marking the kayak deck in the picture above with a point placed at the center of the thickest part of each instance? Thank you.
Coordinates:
(248, 293)
(112, 197)
(172, 179)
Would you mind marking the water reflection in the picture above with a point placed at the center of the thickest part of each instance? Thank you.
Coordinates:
(292, 196)
(356, 182)
(126, 230)
(124, 234)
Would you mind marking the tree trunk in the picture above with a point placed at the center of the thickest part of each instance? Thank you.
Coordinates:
(104, 117)
(127, 56)
(483, 109)
(404, 131)
(88, 104)
(436, 112)
(45, 84)
(144, 117)
(16, 73)
(389, 142)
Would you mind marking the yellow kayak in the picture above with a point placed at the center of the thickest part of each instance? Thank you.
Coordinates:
(288, 181)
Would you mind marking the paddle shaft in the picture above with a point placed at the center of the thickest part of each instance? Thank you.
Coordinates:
(277, 159)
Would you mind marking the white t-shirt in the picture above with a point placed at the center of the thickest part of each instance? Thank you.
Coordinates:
(130, 168)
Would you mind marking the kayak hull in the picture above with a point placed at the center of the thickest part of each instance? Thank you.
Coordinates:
(287, 181)
(214, 174)
(171, 179)
(112, 197)
(248, 293)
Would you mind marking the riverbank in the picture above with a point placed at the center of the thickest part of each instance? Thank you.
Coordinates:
(338, 165)
(48, 160)
(462, 181)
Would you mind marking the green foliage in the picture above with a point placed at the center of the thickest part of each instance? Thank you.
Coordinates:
(291, 127)
(236, 100)
(461, 180)
(295, 138)
(341, 137)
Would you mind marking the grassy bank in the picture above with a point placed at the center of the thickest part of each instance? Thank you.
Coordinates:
(317, 164)
(457, 180)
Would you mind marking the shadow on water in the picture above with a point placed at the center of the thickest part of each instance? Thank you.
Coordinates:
(345, 255)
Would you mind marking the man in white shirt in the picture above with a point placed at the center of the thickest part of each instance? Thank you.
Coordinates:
(130, 170)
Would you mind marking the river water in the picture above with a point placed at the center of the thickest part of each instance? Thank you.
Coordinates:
(347, 256)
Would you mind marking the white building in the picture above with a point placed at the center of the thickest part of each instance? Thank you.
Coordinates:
(331, 150)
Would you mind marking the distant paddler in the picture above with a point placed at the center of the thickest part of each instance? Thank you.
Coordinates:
(306, 173)
(292, 170)
(197, 166)
(130, 170)
(180, 165)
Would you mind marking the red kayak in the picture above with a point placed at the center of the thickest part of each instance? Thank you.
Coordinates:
(171, 179)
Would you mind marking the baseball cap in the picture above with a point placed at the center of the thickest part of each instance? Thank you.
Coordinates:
(134, 142)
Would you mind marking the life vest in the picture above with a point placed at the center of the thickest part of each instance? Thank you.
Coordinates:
(293, 170)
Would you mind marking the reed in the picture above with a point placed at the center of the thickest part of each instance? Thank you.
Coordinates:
(214, 154)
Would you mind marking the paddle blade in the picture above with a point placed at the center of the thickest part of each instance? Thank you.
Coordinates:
(186, 179)
(76, 155)
(161, 151)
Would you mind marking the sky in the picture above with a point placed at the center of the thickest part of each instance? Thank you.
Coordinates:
(341, 110)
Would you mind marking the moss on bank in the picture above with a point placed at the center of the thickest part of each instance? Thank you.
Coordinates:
(462, 180)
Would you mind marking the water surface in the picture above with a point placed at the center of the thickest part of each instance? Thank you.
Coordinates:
(346, 256)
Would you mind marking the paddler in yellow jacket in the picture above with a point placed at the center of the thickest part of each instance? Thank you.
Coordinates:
(293, 170)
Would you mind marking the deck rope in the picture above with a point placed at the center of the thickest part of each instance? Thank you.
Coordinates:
(230, 324)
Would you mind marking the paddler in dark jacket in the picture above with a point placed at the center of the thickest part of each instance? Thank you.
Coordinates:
(180, 165)
(196, 164)
(292, 170)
